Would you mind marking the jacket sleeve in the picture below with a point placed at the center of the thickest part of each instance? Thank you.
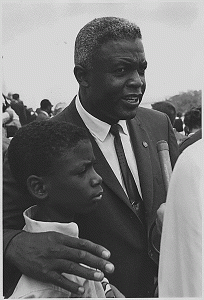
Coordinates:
(14, 203)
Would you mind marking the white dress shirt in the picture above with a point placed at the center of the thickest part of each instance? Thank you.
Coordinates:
(105, 140)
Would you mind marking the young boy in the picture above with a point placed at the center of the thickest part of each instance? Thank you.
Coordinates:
(54, 162)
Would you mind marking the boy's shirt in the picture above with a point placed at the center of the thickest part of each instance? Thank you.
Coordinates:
(30, 288)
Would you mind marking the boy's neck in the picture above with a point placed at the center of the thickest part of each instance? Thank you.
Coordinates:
(46, 213)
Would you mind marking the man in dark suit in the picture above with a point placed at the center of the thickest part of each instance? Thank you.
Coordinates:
(110, 69)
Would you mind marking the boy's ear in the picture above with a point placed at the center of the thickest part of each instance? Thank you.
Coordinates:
(37, 187)
(81, 75)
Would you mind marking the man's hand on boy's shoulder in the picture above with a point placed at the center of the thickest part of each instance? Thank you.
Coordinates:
(50, 254)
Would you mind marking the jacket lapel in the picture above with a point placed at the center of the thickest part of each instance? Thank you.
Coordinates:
(141, 147)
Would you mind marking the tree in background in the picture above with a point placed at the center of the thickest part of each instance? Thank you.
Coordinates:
(186, 100)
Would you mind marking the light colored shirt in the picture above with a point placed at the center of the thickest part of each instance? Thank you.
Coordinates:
(31, 288)
(44, 112)
(180, 265)
(105, 140)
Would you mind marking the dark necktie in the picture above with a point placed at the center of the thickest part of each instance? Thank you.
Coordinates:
(128, 179)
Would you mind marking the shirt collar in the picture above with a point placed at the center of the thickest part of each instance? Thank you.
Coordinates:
(32, 225)
(44, 112)
(97, 128)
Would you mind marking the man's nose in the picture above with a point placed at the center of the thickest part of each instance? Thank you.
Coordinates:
(134, 80)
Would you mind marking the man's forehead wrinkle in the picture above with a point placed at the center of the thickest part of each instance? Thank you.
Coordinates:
(130, 59)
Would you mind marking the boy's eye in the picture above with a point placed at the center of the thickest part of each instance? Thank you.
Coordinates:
(82, 171)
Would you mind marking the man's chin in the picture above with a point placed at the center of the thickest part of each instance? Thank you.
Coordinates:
(128, 115)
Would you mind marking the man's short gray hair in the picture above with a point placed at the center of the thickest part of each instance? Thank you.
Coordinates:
(98, 32)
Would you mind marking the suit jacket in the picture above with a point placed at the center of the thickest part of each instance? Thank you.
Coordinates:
(114, 223)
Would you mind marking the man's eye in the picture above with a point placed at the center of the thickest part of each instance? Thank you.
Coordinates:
(142, 68)
(141, 72)
(120, 70)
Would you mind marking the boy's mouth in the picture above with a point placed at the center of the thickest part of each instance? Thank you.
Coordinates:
(98, 196)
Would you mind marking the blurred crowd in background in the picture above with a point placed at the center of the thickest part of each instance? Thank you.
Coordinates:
(16, 114)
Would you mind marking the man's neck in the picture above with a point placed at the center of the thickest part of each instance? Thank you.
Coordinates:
(96, 112)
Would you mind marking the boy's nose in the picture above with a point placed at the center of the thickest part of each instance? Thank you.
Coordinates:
(96, 179)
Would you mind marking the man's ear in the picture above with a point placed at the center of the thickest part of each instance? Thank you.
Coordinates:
(37, 187)
(81, 75)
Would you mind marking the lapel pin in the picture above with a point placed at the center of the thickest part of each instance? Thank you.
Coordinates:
(145, 144)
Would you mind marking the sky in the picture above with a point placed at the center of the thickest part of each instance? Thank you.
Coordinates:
(38, 46)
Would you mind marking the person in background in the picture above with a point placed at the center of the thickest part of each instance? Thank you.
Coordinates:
(193, 127)
(180, 265)
(6, 117)
(110, 68)
(178, 123)
(169, 109)
(38, 110)
(190, 140)
(45, 110)
(59, 107)
(10, 120)
(26, 115)
(58, 193)
(192, 120)
(31, 115)
(18, 106)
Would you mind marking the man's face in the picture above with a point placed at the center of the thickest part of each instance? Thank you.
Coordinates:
(75, 187)
(117, 81)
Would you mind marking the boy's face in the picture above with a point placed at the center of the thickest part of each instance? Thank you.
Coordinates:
(75, 185)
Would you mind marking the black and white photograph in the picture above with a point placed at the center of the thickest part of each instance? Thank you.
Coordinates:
(102, 149)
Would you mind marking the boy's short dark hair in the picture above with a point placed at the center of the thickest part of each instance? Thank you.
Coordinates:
(38, 145)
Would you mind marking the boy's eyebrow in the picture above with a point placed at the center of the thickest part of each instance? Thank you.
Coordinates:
(86, 162)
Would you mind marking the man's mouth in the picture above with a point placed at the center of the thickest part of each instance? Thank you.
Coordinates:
(132, 99)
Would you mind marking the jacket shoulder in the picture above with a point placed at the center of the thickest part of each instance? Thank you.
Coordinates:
(149, 111)
(67, 114)
(150, 116)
